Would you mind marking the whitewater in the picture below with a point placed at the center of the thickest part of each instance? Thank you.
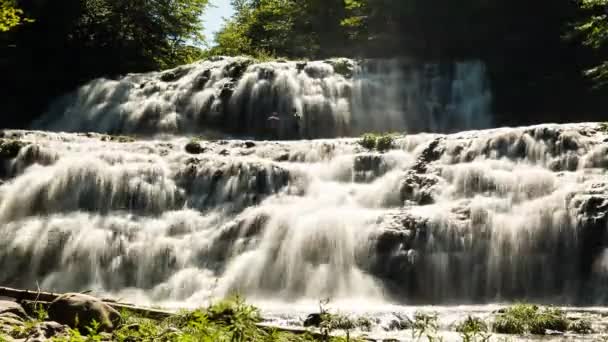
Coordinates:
(458, 221)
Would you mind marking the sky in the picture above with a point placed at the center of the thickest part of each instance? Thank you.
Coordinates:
(214, 17)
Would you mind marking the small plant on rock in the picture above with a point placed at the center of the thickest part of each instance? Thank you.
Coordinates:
(368, 141)
(549, 319)
(385, 142)
(473, 329)
(379, 142)
(426, 325)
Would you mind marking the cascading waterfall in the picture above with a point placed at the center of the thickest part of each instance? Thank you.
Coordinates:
(335, 98)
(473, 217)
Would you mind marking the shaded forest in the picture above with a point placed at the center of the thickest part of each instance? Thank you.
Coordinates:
(536, 51)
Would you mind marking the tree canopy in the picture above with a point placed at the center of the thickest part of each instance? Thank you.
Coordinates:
(10, 15)
(73, 41)
(594, 33)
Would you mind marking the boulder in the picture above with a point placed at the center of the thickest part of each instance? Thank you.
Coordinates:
(79, 311)
(12, 309)
(313, 320)
(194, 147)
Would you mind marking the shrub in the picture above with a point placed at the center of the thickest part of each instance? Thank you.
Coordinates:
(522, 318)
(368, 141)
(549, 319)
(385, 142)
(382, 142)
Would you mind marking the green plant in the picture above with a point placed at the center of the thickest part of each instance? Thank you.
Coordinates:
(473, 329)
(548, 319)
(426, 325)
(368, 141)
(385, 142)
(380, 142)
(581, 326)
(41, 313)
(522, 318)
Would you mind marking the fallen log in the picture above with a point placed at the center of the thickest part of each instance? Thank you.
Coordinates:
(39, 296)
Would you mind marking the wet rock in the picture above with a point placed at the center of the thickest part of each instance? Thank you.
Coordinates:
(368, 167)
(48, 330)
(12, 308)
(194, 147)
(224, 153)
(431, 153)
(248, 144)
(283, 157)
(313, 320)
(418, 188)
(79, 311)
(174, 75)
(9, 149)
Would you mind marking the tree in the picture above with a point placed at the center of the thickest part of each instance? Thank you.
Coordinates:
(286, 28)
(10, 15)
(594, 33)
(74, 41)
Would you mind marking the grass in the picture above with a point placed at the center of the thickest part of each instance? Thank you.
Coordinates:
(380, 142)
(526, 318)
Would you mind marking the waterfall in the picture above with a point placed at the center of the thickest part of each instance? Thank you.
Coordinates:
(472, 217)
(335, 98)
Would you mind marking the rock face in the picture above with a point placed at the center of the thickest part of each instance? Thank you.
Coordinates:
(79, 311)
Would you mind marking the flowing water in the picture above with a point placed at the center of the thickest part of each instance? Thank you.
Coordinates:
(334, 98)
(458, 221)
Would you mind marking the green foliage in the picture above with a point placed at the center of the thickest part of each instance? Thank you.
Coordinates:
(381, 142)
(290, 28)
(368, 141)
(11, 16)
(473, 329)
(549, 319)
(523, 318)
(426, 325)
(593, 32)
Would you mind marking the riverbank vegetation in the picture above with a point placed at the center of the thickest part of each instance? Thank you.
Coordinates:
(236, 321)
